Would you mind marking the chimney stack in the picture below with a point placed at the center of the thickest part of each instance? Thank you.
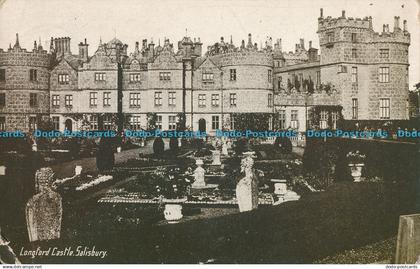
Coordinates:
(396, 23)
(321, 13)
(310, 44)
(302, 43)
(343, 14)
(405, 25)
(370, 22)
(83, 51)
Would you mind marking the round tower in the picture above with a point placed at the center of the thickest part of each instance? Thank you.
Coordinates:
(24, 87)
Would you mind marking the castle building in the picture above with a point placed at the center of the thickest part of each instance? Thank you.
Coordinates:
(363, 72)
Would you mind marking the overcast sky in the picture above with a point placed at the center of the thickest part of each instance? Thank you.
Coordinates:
(134, 20)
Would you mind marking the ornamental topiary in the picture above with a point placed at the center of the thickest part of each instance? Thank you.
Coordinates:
(158, 146)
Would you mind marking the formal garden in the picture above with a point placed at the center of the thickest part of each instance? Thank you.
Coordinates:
(197, 200)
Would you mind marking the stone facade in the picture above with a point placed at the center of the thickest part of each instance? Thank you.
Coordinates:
(21, 111)
(79, 91)
(364, 71)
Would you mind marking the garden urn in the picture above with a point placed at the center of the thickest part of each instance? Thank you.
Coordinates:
(356, 171)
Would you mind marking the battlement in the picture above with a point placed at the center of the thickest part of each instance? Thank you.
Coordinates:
(19, 56)
(326, 23)
(244, 57)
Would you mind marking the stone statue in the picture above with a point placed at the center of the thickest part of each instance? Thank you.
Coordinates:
(44, 210)
(199, 180)
(247, 186)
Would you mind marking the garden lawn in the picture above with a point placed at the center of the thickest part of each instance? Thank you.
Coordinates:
(346, 216)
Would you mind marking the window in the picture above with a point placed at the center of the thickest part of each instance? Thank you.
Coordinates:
(282, 119)
(270, 100)
(342, 69)
(354, 108)
(100, 77)
(215, 122)
(32, 123)
(165, 76)
(135, 77)
(56, 123)
(318, 78)
(68, 100)
(232, 74)
(301, 79)
(93, 99)
(270, 76)
(33, 76)
(383, 74)
(354, 74)
(135, 99)
(33, 100)
(107, 120)
(353, 37)
(158, 98)
(93, 122)
(334, 119)
(232, 99)
(171, 98)
(172, 122)
(232, 122)
(2, 123)
(63, 79)
(135, 122)
(55, 100)
(107, 99)
(330, 37)
(2, 99)
(384, 108)
(208, 78)
(201, 100)
(279, 82)
(323, 121)
(159, 122)
(354, 53)
(2, 74)
(384, 53)
(215, 99)
(294, 122)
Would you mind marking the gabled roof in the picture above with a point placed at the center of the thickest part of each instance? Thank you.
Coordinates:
(201, 60)
(72, 60)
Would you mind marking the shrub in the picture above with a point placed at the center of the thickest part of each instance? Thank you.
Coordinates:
(105, 159)
(173, 144)
(158, 146)
(283, 144)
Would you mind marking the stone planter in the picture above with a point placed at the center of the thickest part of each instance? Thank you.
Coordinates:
(173, 209)
(356, 171)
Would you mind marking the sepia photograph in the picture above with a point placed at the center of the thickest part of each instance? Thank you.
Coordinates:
(210, 132)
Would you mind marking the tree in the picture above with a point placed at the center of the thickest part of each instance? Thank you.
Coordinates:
(158, 146)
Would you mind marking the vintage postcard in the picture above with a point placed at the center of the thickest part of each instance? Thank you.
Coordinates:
(209, 132)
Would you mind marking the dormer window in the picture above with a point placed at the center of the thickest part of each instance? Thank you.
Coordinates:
(208, 78)
(63, 79)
